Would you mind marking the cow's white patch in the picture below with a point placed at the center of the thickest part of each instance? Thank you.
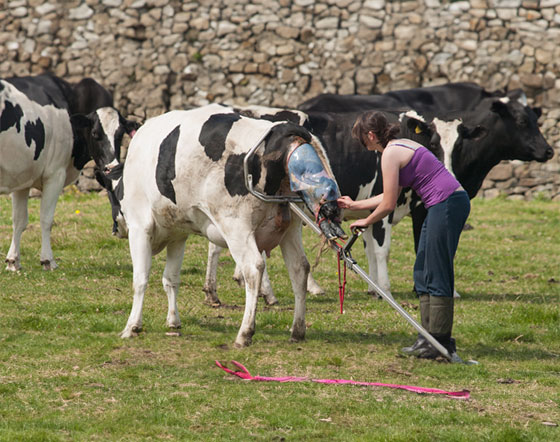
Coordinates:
(412, 114)
(22, 171)
(447, 131)
(109, 120)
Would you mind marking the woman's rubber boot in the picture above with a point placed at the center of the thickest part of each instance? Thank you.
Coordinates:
(441, 323)
(419, 345)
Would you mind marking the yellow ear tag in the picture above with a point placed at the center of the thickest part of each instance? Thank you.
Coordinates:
(418, 130)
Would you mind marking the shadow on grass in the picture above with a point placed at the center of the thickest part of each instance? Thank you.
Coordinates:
(348, 337)
(312, 335)
(513, 353)
(534, 298)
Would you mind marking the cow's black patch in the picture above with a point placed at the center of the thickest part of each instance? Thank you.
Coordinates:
(35, 131)
(283, 115)
(44, 89)
(378, 232)
(165, 169)
(11, 116)
(88, 95)
(234, 178)
(214, 133)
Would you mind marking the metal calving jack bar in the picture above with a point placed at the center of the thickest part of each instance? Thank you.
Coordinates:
(343, 251)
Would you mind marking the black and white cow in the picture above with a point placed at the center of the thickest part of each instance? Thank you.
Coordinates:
(40, 147)
(184, 175)
(344, 153)
(364, 181)
(445, 97)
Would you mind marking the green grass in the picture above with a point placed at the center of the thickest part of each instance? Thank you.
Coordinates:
(66, 375)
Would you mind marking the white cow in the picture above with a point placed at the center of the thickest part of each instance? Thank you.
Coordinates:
(184, 175)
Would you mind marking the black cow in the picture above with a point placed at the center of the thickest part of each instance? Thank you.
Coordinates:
(446, 97)
(473, 142)
(41, 148)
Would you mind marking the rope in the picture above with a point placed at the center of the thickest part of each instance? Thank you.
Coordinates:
(243, 373)
(341, 283)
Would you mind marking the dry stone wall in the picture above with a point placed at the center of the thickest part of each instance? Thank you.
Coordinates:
(157, 55)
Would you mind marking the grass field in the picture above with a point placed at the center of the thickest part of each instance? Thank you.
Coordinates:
(66, 375)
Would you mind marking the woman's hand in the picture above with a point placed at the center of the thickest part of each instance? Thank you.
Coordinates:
(345, 202)
(359, 224)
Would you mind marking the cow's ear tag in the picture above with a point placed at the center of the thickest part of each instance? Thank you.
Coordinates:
(418, 130)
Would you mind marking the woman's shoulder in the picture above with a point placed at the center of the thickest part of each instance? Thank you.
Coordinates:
(404, 142)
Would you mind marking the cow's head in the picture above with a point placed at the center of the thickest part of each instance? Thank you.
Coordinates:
(414, 127)
(526, 140)
(291, 150)
(103, 130)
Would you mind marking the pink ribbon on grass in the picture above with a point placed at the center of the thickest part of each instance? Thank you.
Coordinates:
(243, 373)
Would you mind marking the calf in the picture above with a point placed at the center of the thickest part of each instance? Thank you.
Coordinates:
(184, 175)
(44, 149)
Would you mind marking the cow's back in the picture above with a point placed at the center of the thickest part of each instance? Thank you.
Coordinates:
(177, 165)
(35, 133)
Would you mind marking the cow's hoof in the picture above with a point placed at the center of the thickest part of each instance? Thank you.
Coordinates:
(13, 265)
(317, 290)
(174, 324)
(269, 299)
(212, 299)
(48, 265)
(297, 338)
(130, 332)
(376, 295)
(298, 332)
(243, 341)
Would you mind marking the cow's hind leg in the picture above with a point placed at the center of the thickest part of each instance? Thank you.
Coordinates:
(266, 292)
(298, 269)
(211, 282)
(377, 241)
(171, 279)
(19, 222)
(141, 254)
(51, 191)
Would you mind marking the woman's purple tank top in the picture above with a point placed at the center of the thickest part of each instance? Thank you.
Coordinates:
(427, 176)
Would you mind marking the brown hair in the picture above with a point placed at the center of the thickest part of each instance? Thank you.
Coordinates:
(377, 123)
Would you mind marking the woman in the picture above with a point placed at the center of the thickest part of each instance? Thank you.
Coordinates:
(405, 163)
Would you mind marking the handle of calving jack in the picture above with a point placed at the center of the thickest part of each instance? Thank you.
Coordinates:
(356, 233)
(351, 262)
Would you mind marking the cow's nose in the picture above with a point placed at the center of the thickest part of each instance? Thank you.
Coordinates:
(107, 170)
(549, 153)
